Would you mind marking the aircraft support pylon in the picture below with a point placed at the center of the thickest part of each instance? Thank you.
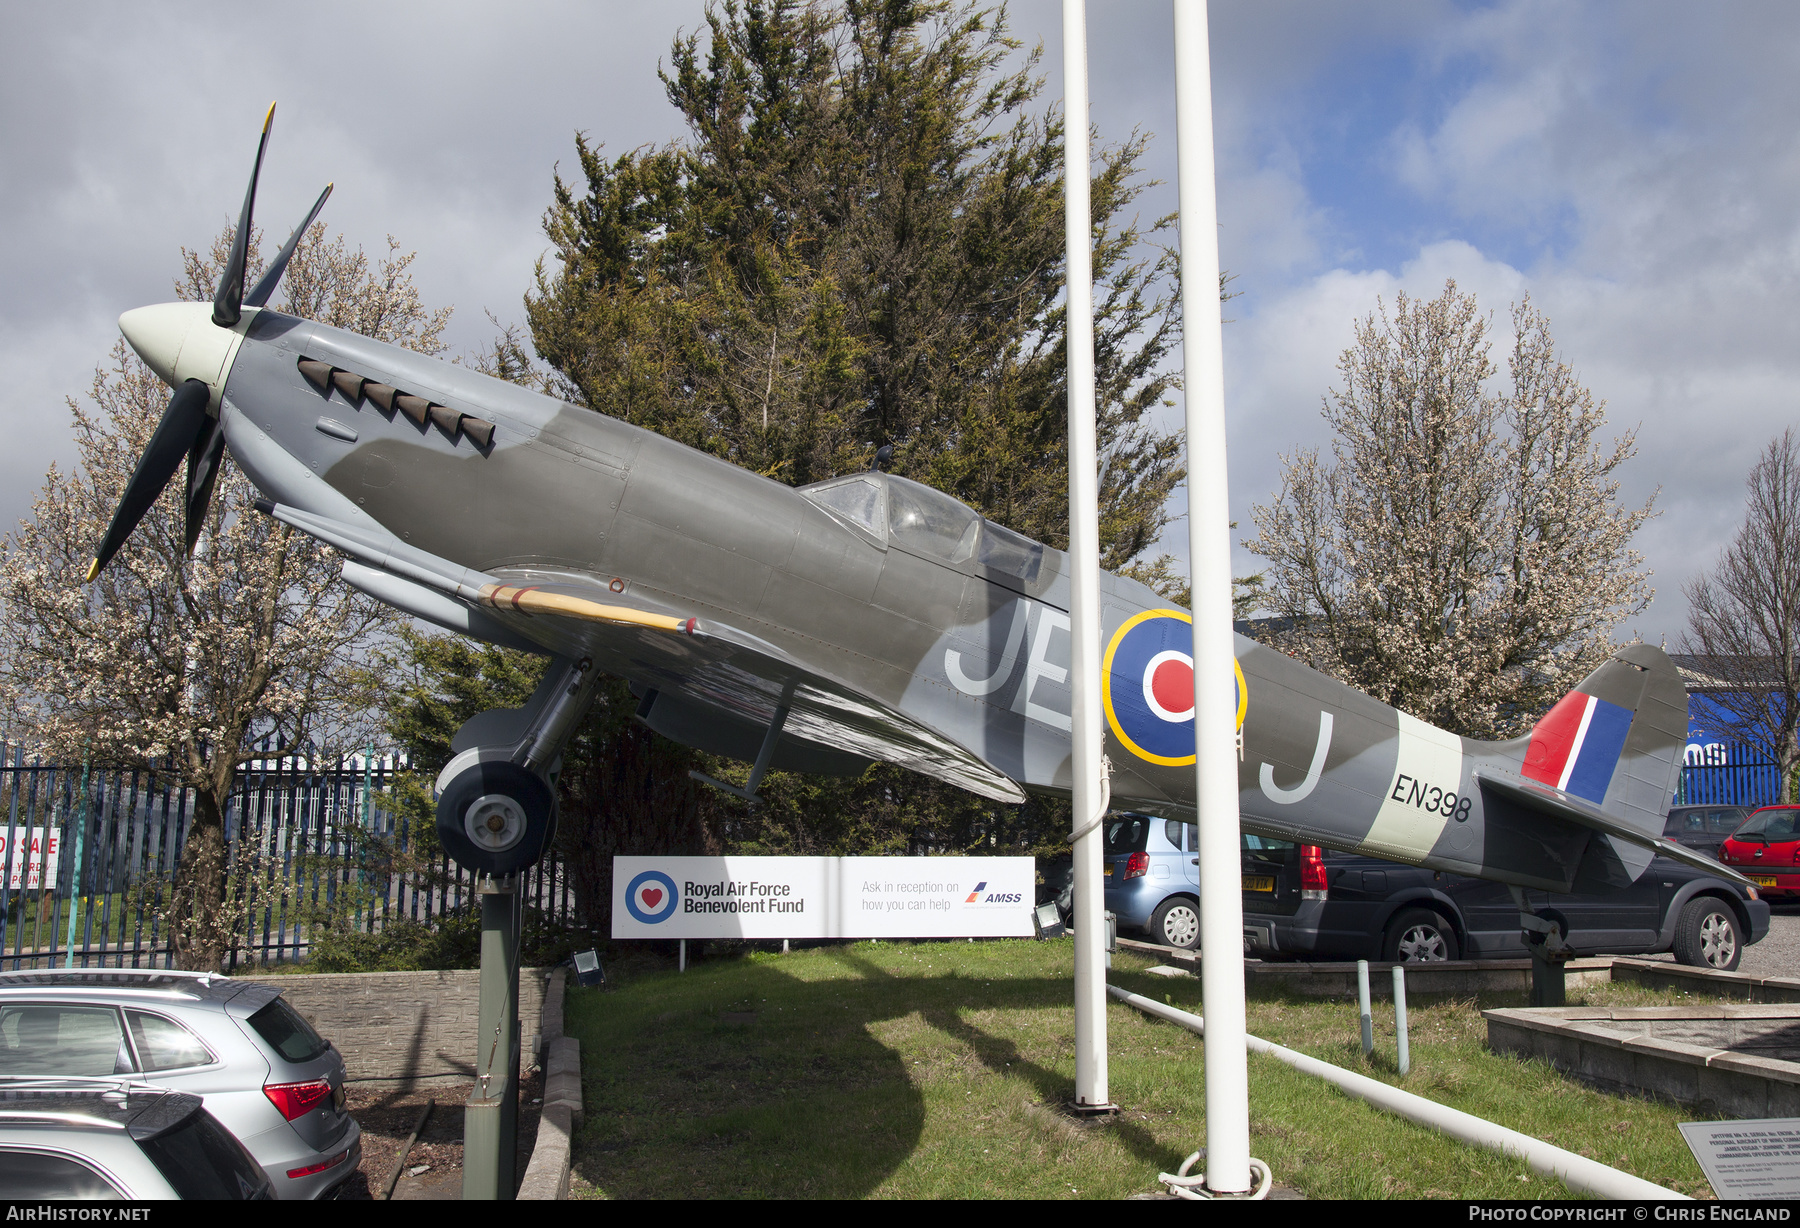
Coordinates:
(491, 1116)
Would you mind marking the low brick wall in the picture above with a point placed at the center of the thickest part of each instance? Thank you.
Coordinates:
(1650, 1051)
(1338, 979)
(408, 1028)
(1656, 974)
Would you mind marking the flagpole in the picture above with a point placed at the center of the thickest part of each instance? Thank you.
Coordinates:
(1215, 676)
(1084, 580)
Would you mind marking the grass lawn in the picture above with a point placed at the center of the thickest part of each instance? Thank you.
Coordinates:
(938, 1070)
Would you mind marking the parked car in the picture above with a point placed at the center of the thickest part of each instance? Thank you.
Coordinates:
(1311, 903)
(260, 1068)
(1766, 847)
(1703, 828)
(1301, 901)
(1153, 877)
(111, 1140)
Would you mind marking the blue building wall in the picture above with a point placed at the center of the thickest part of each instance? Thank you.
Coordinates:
(1720, 770)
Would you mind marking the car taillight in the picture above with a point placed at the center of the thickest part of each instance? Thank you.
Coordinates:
(1313, 884)
(1137, 865)
(297, 1099)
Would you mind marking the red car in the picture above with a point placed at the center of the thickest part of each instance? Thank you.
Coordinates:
(1767, 849)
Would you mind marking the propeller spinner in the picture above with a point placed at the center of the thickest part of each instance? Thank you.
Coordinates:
(188, 346)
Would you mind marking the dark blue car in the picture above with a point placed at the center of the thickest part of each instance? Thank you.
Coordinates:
(1303, 902)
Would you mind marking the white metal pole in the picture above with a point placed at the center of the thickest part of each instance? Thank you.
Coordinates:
(1215, 675)
(1579, 1173)
(1084, 577)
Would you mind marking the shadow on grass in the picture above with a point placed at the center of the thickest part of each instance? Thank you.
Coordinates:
(739, 1081)
(1002, 1057)
(745, 1081)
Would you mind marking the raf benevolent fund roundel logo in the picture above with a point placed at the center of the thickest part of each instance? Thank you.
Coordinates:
(651, 897)
(1147, 687)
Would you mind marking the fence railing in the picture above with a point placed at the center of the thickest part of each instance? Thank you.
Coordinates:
(89, 856)
(1729, 774)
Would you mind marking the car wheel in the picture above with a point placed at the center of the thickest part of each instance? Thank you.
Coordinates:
(1707, 936)
(1176, 923)
(1419, 935)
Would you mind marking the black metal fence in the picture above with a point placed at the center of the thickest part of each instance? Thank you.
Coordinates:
(89, 857)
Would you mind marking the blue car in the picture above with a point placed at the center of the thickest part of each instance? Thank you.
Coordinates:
(1153, 877)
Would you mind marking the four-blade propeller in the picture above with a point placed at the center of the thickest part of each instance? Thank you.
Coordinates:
(191, 425)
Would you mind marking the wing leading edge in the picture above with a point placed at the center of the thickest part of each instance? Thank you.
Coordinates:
(707, 683)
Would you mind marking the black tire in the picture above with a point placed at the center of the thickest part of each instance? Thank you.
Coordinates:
(1708, 935)
(528, 792)
(1176, 923)
(1418, 935)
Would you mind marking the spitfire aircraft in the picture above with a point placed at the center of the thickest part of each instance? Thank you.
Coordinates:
(819, 629)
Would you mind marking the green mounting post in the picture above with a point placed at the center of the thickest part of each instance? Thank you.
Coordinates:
(491, 1117)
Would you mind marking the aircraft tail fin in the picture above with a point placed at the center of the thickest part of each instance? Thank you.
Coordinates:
(1616, 740)
(1606, 758)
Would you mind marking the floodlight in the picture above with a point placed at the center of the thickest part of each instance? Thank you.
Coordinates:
(587, 968)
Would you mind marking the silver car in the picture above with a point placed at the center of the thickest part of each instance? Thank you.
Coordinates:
(260, 1068)
(107, 1140)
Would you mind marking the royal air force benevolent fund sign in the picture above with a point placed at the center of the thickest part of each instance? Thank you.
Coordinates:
(823, 897)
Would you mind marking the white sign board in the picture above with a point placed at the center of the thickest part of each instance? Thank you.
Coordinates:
(36, 855)
(1752, 1160)
(823, 897)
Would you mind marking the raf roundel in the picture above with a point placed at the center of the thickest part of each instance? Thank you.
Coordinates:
(1147, 686)
(651, 897)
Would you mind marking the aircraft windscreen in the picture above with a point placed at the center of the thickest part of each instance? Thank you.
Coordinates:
(930, 522)
(857, 500)
(1004, 550)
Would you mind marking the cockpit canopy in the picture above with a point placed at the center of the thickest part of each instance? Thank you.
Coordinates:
(926, 522)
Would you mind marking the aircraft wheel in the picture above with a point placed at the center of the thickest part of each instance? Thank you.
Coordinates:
(1707, 936)
(1419, 935)
(494, 817)
(1176, 923)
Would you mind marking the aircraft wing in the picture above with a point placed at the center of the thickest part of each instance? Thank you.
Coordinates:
(705, 682)
(1550, 800)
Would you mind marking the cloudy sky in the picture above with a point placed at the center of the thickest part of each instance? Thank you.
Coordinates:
(1635, 167)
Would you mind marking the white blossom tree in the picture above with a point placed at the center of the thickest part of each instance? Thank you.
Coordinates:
(1462, 553)
(1744, 617)
(183, 665)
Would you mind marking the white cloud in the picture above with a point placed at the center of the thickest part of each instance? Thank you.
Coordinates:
(1635, 169)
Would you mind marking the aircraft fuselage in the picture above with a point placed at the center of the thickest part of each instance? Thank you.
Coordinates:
(970, 642)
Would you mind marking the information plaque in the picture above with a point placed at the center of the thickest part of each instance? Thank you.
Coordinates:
(1748, 1159)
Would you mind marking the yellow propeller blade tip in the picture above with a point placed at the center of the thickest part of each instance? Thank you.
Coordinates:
(93, 570)
(269, 118)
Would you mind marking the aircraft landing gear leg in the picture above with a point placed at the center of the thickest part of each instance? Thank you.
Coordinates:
(491, 1116)
(1546, 934)
(496, 800)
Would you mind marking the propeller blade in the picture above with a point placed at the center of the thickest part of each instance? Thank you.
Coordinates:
(265, 285)
(182, 422)
(202, 472)
(228, 298)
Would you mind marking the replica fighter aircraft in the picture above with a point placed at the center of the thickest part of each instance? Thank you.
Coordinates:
(818, 629)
